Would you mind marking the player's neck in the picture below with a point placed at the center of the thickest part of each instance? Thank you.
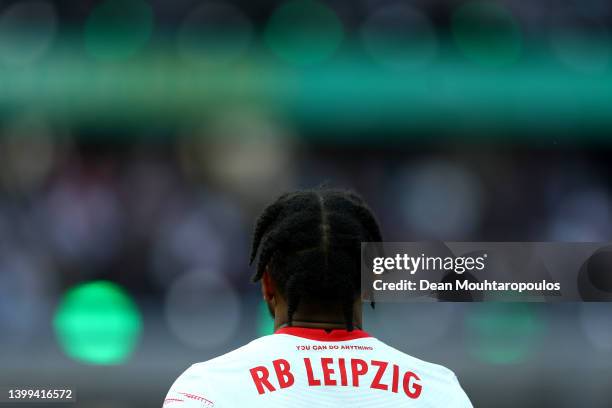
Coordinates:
(316, 318)
(317, 325)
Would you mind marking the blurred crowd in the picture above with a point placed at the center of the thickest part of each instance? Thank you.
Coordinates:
(141, 213)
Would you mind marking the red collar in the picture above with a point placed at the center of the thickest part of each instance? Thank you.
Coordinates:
(322, 334)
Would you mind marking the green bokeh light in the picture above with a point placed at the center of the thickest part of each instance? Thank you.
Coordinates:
(97, 323)
(118, 29)
(502, 333)
(265, 323)
(487, 33)
(303, 32)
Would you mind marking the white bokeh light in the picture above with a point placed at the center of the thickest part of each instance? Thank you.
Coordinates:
(202, 309)
(442, 200)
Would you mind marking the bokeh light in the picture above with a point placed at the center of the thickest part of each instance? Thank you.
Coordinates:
(582, 215)
(596, 322)
(400, 37)
(25, 287)
(98, 323)
(487, 33)
(304, 32)
(83, 223)
(250, 154)
(185, 241)
(503, 333)
(118, 29)
(214, 34)
(440, 199)
(582, 44)
(27, 31)
(28, 152)
(202, 309)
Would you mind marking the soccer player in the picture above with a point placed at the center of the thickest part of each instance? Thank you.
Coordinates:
(307, 246)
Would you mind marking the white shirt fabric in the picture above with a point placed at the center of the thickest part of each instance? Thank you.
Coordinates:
(301, 367)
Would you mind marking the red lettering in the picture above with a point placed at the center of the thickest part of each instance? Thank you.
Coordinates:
(395, 382)
(260, 376)
(415, 390)
(343, 381)
(327, 371)
(285, 378)
(356, 372)
(311, 380)
(382, 366)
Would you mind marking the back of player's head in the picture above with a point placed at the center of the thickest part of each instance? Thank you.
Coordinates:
(310, 241)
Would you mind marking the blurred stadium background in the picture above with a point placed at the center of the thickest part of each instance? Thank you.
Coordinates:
(140, 139)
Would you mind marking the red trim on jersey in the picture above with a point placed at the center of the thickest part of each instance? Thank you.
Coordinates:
(169, 400)
(195, 397)
(322, 334)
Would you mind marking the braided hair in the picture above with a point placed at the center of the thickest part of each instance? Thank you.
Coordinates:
(310, 241)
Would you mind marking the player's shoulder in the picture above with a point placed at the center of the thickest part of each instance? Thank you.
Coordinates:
(253, 349)
(198, 384)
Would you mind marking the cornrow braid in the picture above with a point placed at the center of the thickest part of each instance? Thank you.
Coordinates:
(310, 241)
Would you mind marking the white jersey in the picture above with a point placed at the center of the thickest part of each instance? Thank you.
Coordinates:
(300, 367)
